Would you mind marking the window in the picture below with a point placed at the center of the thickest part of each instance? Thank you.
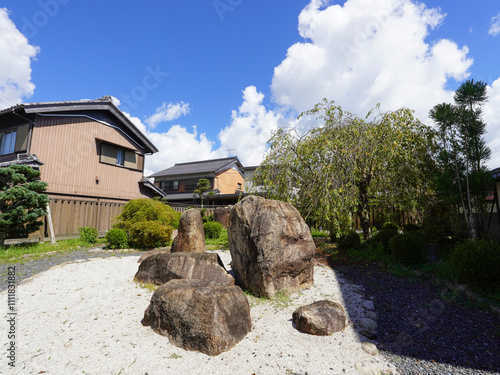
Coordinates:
(120, 157)
(239, 186)
(169, 185)
(8, 142)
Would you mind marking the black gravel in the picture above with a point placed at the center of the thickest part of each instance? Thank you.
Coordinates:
(33, 267)
(423, 328)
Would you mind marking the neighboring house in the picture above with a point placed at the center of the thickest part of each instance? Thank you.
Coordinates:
(180, 181)
(86, 150)
(493, 218)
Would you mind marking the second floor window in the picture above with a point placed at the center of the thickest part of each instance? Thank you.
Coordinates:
(120, 157)
(169, 185)
(8, 142)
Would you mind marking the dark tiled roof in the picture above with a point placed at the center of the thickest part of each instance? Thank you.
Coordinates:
(204, 166)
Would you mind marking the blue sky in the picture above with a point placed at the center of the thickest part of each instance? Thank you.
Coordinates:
(213, 78)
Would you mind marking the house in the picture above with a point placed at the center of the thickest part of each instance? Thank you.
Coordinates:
(87, 151)
(180, 181)
(493, 218)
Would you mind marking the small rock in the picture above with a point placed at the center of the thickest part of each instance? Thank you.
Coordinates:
(371, 315)
(369, 348)
(368, 334)
(26, 256)
(368, 305)
(462, 288)
(368, 324)
(320, 318)
(368, 366)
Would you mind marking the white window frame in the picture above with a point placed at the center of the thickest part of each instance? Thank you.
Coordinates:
(8, 142)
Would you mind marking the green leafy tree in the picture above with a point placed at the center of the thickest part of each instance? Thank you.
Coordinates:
(22, 201)
(203, 186)
(463, 180)
(349, 165)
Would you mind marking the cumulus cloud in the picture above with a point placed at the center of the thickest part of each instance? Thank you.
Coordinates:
(495, 25)
(492, 119)
(15, 63)
(167, 112)
(367, 52)
(250, 129)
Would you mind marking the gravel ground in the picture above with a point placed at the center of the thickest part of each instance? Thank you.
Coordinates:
(422, 328)
(425, 329)
(33, 267)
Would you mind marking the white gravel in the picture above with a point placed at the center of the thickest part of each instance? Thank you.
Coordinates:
(85, 318)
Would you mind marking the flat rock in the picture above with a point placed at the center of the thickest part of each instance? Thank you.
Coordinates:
(369, 348)
(369, 366)
(367, 323)
(147, 254)
(368, 305)
(160, 268)
(320, 318)
(199, 315)
(370, 335)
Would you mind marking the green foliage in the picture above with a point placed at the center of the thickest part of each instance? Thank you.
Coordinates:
(346, 167)
(218, 243)
(148, 222)
(411, 228)
(117, 238)
(390, 226)
(22, 201)
(150, 234)
(383, 238)
(319, 234)
(88, 235)
(478, 263)
(212, 229)
(408, 248)
(206, 218)
(203, 186)
(349, 240)
(25, 252)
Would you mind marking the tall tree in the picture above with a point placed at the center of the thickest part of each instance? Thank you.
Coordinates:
(462, 128)
(348, 165)
(22, 201)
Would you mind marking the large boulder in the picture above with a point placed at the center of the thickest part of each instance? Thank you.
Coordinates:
(271, 247)
(147, 254)
(160, 268)
(190, 237)
(222, 215)
(320, 318)
(199, 315)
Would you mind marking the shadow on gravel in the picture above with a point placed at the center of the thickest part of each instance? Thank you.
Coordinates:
(423, 321)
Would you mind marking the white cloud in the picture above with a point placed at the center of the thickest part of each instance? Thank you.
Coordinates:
(492, 119)
(15, 63)
(167, 112)
(495, 25)
(250, 129)
(367, 52)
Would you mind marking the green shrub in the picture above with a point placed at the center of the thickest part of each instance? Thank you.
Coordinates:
(88, 235)
(408, 248)
(478, 263)
(138, 210)
(348, 240)
(383, 237)
(390, 226)
(208, 218)
(411, 228)
(117, 238)
(212, 229)
(150, 234)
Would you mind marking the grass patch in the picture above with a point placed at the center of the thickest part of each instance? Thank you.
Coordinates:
(281, 299)
(319, 234)
(218, 243)
(150, 287)
(18, 253)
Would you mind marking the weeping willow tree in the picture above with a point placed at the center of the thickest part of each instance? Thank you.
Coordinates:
(349, 165)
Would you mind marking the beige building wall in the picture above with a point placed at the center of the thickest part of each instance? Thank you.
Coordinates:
(227, 181)
(69, 147)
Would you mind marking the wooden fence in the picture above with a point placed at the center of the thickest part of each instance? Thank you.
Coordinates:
(70, 214)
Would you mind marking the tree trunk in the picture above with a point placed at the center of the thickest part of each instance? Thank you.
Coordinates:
(2, 239)
(363, 214)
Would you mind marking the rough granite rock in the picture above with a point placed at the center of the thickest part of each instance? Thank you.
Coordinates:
(147, 254)
(161, 268)
(271, 247)
(320, 318)
(222, 215)
(190, 237)
(199, 315)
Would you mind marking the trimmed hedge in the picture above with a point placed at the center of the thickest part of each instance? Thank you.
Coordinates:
(117, 239)
(150, 234)
(478, 263)
(349, 240)
(408, 248)
(212, 229)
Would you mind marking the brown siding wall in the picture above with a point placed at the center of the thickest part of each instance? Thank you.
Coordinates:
(69, 149)
(227, 182)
